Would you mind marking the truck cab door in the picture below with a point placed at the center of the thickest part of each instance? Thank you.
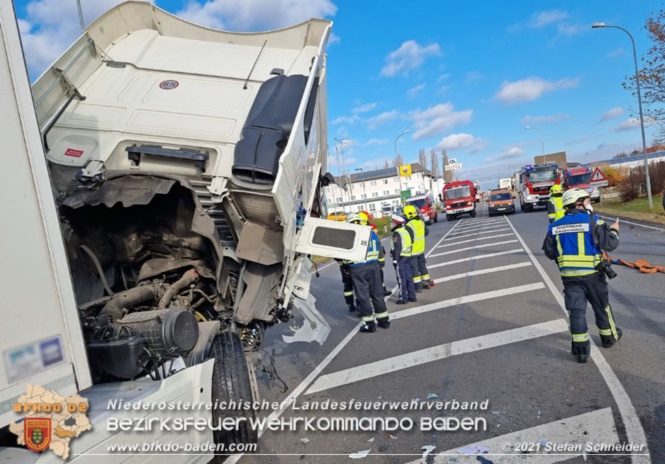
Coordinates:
(333, 239)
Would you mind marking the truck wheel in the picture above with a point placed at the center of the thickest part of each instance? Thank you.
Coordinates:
(528, 208)
(449, 217)
(230, 382)
(436, 217)
(473, 213)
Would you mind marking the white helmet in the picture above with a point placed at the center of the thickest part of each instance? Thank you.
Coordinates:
(572, 196)
(354, 219)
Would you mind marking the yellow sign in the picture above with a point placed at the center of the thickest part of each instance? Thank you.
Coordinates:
(405, 170)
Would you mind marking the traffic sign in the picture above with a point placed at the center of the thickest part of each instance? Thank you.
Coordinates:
(598, 179)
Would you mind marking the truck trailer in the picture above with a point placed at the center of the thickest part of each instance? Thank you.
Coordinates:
(166, 195)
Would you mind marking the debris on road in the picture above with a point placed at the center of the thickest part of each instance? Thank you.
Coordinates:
(473, 449)
(432, 396)
(360, 454)
(427, 449)
(304, 440)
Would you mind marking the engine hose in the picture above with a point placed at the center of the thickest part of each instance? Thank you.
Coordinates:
(128, 299)
(189, 277)
(100, 271)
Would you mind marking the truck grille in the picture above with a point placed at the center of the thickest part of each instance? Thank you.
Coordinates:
(459, 204)
(215, 211)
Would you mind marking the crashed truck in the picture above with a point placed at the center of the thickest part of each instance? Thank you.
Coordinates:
(187, 166)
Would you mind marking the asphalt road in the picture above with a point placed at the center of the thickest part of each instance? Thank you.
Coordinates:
(491, 336)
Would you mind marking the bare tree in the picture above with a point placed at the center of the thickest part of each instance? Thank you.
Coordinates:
(398, 161)
(434, 166)
(386, 164)
(422, 158)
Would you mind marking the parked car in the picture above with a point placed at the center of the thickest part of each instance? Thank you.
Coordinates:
(338, 216)
(501, 202)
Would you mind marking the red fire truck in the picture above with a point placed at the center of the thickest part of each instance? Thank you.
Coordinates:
(580, 177)
(459, 198)
(534, 183)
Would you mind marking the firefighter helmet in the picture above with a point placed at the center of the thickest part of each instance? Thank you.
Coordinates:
(354, 219)
(572, 196)
(410, 211)
(556, 188)
(364, 217)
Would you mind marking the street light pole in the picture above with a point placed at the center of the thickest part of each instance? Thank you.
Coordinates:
(542, 143)
(399, 175)
(364, 194)
(639, 103)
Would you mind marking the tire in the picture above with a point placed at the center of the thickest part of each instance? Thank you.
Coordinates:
(436, 217)
(473, 213)
(528, 208)
(230, 382)
(449, 217)
(490, 214)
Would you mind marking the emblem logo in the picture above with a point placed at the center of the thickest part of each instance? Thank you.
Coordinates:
(37, 433)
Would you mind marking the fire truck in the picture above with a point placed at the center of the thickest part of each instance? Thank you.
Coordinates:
(459, 198)
(534, 183)
(580, 177)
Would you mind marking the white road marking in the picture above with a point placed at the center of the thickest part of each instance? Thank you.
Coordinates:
(481, 233)
(474, 240)
(465, 299)
(436, 353)
(482, 225)
(623, 221)
(490, 255)
(473, 248)
(596, 427)
(634, 430)
(481, 272)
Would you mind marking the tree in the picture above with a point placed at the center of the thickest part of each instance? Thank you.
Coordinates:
(386, 164)
(434, 166)
(652, 75)
(620, 155)
(398, 161)
(422, 158)
(447, 175)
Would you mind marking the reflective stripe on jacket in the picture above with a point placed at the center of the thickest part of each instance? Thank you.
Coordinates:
(556, 211)
(418, 227)
(576, 254)
(373, 250)
(407, 244)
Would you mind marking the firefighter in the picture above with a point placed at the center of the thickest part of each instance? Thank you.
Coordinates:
(367, 284)
(418, 263)
(555, 209)
(577, 242)
(364, 216)
(400, 251)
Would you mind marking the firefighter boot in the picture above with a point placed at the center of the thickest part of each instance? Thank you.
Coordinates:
(609, 340)
(582, 358)
(352, 308)
(383, 322)
(386, 292)
(368, 327)
(426, 284)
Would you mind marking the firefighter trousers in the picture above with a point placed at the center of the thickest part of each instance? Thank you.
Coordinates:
(593, 289)
(369, 292)
(347, 282)
(420, 272)
(407, 287)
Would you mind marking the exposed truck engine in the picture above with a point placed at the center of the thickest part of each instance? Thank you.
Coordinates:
(187, 166)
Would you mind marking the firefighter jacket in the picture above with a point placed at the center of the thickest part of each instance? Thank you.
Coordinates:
(571, 242)
(555, 209)
(374, 251)
(401, 246)
(419, 231)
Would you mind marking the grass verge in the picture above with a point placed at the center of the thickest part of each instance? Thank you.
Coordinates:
(636, 209)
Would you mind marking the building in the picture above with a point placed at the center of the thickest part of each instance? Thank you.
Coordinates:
(630, 162)
(371, 190)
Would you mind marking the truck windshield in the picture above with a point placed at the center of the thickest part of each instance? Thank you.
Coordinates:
(579, 179)
(500, 197)
(542, 176)
(417, 203)
(459, 192)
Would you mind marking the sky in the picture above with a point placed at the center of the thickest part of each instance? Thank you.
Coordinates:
(467, 77)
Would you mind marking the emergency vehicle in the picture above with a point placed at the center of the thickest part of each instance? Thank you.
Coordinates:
(580, 177)
(459, 198)
(534, 183)
(426, 207)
